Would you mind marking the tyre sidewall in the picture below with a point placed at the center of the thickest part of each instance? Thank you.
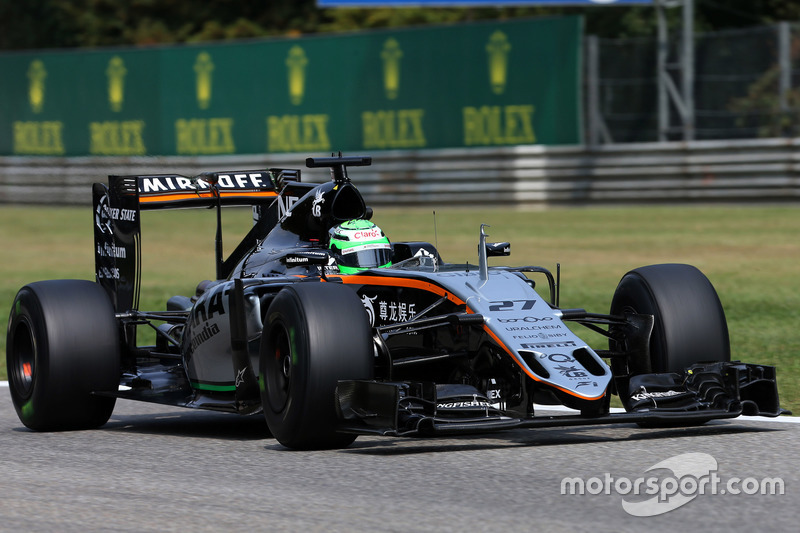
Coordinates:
(71, 329)
(689, 325)
(331, 341)
(285, 317)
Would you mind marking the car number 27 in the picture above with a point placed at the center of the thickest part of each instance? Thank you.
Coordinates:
(511, 305)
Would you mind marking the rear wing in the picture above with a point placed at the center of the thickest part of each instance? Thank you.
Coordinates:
(118, 206)
(210, 188)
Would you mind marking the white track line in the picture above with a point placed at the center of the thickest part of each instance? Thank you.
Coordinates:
(783, 419)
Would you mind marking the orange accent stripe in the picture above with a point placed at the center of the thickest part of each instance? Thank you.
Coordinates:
(171, 197)
(430, 287)
(403, 282)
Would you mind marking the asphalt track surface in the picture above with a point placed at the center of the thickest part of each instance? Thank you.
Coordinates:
(157, 468)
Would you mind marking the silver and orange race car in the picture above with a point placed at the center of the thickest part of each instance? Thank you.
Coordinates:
(373, 338)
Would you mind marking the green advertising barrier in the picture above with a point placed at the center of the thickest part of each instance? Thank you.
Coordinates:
(483, 84)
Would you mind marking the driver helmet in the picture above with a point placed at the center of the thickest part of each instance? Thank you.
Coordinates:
(358, 245)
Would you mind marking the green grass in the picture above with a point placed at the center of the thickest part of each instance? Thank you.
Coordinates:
(751, 255)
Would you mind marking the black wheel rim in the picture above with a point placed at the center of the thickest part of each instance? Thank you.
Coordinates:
(23, 359)
(279, 378)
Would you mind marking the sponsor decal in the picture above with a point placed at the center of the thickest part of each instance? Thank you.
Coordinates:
(529, 319)
(208, 331)
(36, 88)
(572, 372)
(423, 253)
(393, 128)
(332, 268)
(390, 311)
(165, 184)
(368, 307)
(544, 336)
(391, 55)
(285, 203)
(644, 395)
(207, 309)
(296, 61)
(464, 404)
(203, 67)
(498, 48)
(540, 336)
(298, 133)
(494, 392)
(305, 258)
(533, 328)
(116, 72)
(544, 345)
(367, 234)
(396, 311)
(195, 136)
(104, 214)
(239, 377)
(38, 137)
(108, 273)
(110, 250)
(101, 217)
(117, 137)
(316, 205)
(370, 246)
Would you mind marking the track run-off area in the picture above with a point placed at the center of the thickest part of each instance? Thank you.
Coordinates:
(159, 468)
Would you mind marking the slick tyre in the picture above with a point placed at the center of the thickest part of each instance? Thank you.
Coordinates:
(62, 346)
(315, 334)
(689, 326)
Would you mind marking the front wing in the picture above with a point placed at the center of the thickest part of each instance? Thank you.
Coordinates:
(701, 393)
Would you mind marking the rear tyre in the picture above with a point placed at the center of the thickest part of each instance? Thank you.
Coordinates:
(315, 334)
(690, 325)
(62, 345)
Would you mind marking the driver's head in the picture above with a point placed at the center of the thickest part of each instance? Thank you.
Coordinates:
(360, 244)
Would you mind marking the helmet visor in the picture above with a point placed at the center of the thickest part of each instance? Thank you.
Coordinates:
(367, 255)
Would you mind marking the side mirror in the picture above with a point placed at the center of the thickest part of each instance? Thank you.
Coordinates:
(498, 249)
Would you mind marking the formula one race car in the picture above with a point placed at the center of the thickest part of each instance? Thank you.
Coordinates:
(331, 331)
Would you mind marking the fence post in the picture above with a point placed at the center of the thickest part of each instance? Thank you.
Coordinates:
(661, 73)
(687, 66)
(596, 127)
(784, 64)
(683, 98)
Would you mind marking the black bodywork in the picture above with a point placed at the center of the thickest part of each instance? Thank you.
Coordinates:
(456, 347)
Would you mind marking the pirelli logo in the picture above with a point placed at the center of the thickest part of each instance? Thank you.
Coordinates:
(543, 345)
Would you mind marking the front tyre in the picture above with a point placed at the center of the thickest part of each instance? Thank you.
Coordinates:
(62, 346)
(315, 334)
(690, 325)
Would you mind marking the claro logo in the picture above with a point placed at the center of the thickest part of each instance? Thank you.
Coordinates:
(366, 234)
